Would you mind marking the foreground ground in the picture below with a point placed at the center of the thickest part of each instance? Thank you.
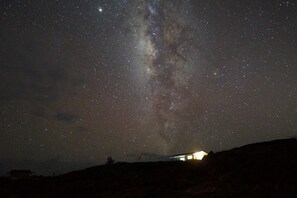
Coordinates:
(266, 169)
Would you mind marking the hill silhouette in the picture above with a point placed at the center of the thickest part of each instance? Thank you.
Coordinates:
(267, 169)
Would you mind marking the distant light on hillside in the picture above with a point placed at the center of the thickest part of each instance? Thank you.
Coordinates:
(199, 155)
(189, 156)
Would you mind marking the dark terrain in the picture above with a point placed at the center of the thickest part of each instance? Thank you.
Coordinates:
(266, 169)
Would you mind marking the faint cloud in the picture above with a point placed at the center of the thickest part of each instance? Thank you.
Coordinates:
(66, 117)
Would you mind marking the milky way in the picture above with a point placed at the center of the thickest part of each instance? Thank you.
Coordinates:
(166, 62)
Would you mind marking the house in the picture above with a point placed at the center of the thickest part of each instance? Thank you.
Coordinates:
(20, 174)
(189, 156)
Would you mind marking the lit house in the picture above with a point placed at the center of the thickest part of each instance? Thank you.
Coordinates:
(189, 156)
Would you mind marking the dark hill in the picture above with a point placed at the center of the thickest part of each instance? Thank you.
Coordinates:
(266, 169)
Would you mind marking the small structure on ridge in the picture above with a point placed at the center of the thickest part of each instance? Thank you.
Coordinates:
(189, 156)
(20, 174)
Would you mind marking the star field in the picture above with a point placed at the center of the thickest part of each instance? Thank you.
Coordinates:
(82, 80)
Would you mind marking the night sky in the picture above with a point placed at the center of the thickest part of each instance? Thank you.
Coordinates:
(82, 80)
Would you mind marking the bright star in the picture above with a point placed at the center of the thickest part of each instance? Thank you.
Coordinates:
(100, 9)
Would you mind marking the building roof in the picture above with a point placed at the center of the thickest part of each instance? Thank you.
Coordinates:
(182, 154)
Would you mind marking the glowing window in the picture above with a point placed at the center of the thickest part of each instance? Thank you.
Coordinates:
(182, 159)
(199, 155)
(190, 157)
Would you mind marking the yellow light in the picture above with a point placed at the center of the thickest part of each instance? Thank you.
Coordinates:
(199, 155)
(190, 157)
